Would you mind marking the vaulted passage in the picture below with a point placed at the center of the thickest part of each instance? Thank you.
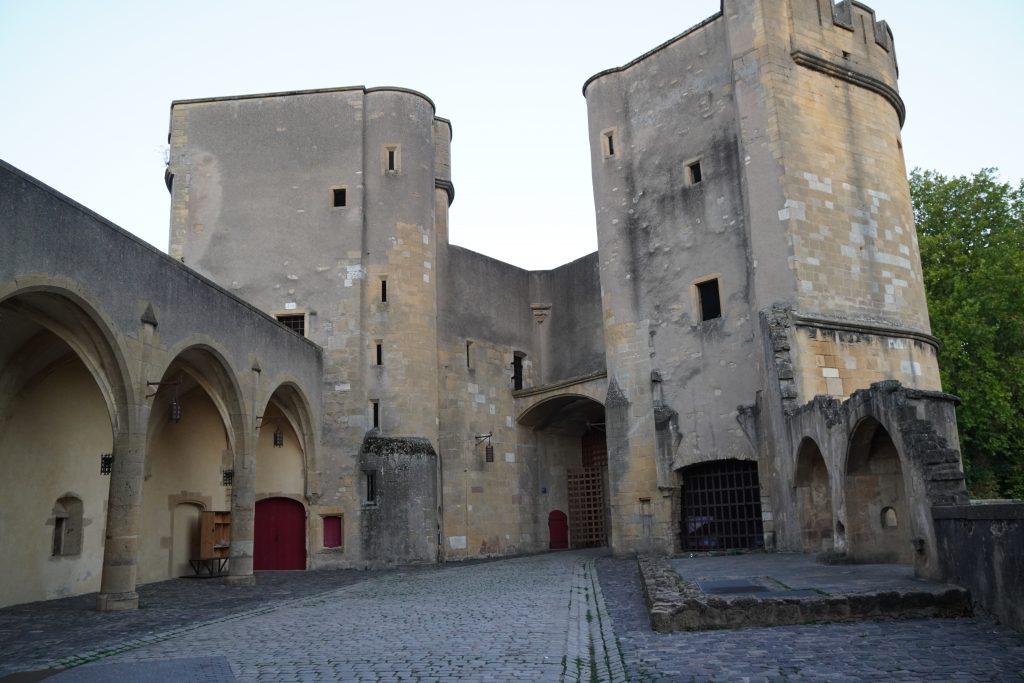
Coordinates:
(56, 445)
(572, 470)
(721, 506)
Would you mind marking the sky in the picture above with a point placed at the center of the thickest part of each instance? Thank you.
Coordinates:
(87, 86)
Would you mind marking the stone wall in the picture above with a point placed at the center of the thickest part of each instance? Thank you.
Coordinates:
(981, 547)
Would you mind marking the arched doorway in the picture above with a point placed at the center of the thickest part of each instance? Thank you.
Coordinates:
(572, 465)
(878, 523)
(280, 534)
(558, 530)
(184, 538)
(721, 506)
(813, 498)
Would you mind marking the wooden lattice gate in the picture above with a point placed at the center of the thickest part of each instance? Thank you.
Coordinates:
(588, 501)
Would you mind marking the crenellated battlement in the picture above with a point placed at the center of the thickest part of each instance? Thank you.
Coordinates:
(848, 14)
(845, 40)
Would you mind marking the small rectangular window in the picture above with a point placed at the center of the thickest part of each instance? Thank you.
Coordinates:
(517, 370)
(370, 479)
(710, 301)
(380, 353)
(392, 159)
(339, 196)
(693, 173)
(332, 531)
(383, 291)
(608, 143)
(295, 323)
(375, 408)
(469, 355)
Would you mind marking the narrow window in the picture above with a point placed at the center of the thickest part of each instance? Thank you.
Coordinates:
(889, 519)
(375, 407)
(693, 173)
(469, 355)
(383, 291)
(332, 531)
(370, 478)
(392, 159)
(517, 370)
(295, 323)
(380, 353)
(60, 522)
(608, 143)
(710, 302)
(339, 197)
(67, 527)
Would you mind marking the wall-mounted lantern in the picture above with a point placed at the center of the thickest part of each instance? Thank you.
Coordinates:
(174, 412)
(488, 449)
(278, 438)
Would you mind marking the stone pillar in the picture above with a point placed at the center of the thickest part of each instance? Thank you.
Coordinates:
(243, 514)
(124, 511)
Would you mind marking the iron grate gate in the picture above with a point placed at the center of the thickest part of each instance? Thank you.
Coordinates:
(722, 506)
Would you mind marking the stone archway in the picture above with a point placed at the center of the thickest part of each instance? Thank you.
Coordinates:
(877, 516)
(62, 410)
(572, 465)
(813, 498)
(191, 444)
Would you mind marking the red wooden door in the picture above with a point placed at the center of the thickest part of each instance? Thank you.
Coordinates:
(558, 530)
(280, 535)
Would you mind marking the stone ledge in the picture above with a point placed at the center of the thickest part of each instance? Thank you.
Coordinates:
(675, 604)
(993, 510)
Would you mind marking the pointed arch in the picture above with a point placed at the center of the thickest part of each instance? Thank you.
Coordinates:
(813, 488)
(878, 527)
(66, 315)
(294, 405)
(64, 397)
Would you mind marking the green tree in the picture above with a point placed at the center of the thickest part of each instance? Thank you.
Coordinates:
(971, 234)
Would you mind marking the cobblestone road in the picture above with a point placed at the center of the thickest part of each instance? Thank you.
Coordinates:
(562, 616)
(526, 619)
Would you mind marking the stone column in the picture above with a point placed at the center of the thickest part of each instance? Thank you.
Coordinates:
(124, 511)
(243, 509)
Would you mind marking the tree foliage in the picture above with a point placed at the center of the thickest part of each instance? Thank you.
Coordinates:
(971, 235)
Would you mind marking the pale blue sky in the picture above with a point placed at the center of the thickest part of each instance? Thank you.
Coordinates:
(87, 87)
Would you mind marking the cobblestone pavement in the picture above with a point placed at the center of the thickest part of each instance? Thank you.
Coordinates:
(912, 650)
(535, 618)
(34, 635)
(571, 616)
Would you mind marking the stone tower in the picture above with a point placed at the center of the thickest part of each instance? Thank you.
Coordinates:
(324, 208)
(756, 239)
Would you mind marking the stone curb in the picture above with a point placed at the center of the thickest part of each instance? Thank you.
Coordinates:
(675, 604)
